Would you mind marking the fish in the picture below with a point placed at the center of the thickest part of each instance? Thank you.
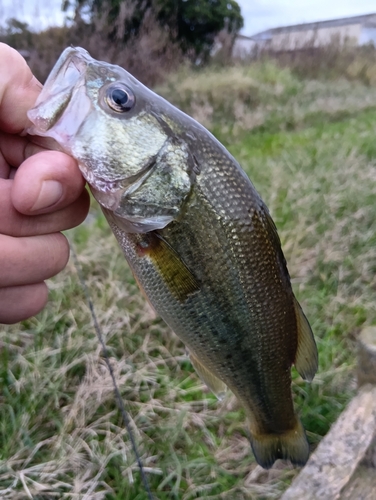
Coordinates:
(200, 241)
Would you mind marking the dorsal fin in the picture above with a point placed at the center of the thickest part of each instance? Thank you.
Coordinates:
(306, 358)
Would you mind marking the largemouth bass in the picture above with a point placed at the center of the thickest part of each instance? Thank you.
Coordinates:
(197, 236)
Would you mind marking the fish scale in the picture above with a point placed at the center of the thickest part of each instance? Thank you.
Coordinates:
(197, 236)
(222, 304)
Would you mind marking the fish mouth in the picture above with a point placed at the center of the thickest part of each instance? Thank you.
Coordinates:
(59, 95)
(59, 113)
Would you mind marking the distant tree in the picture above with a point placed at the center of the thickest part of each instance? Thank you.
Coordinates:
(16, 34)
(197, 22)
(193, 24)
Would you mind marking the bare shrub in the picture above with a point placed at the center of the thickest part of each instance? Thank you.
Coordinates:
(331, 62)
(340, 58)
(149, 56)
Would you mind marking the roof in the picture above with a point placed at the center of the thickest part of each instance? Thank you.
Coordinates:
(368, 20)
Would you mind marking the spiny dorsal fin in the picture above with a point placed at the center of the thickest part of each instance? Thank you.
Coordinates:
(216, 385)
(306, 358)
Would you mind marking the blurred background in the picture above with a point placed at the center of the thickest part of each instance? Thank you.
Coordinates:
(151, 38)
(290, 90)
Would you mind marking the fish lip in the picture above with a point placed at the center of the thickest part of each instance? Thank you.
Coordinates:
(67, 62)
(74, 58)
(60, 86)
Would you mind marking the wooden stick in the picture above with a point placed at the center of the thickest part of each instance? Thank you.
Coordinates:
(332, 465)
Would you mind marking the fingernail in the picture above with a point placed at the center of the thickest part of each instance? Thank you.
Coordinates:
(49, 194)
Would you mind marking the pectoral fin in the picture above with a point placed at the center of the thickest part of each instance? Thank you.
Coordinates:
(171, 267)
(306, 358)
(216, 385)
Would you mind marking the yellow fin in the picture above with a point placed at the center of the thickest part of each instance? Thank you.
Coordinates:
(171, 267)
(290, 445)
(306, 358)
(216, 385)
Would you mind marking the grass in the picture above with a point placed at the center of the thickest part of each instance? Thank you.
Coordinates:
(309, 147)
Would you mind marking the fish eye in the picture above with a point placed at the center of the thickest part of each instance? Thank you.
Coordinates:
(120, 98)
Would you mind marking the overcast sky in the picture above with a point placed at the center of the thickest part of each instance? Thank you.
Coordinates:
(258, 15)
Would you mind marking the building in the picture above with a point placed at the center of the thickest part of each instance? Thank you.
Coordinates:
(358, 30)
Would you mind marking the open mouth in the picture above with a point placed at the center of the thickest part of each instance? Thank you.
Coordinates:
(59, 99)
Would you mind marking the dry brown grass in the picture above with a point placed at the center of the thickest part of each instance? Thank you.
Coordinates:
(150, 56)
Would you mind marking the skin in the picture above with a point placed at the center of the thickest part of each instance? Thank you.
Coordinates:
(41, 193)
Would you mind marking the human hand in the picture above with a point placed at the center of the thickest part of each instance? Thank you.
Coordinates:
(41, 193)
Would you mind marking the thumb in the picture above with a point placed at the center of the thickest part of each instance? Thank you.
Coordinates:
(46, 182)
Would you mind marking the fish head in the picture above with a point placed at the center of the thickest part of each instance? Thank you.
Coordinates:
(126, 139)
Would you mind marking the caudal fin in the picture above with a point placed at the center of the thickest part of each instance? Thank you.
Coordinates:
(291, 445)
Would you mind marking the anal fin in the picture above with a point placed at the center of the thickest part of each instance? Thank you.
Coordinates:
(306, 358)
(216, 385)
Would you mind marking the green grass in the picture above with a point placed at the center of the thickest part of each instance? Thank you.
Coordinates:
(311, 153)
(319, 183)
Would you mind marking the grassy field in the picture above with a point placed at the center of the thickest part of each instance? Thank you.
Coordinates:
(310, 149)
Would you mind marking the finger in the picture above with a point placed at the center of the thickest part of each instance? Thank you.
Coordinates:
(4, 167)
(15, 149)
(21, 302)
(46, 182)
(13, 223)
(18, 90)
(29, 260)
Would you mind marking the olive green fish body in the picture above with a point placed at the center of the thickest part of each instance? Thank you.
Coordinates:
(197, 235)
(238, 314)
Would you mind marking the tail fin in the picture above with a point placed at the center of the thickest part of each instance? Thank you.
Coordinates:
(291, 445)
